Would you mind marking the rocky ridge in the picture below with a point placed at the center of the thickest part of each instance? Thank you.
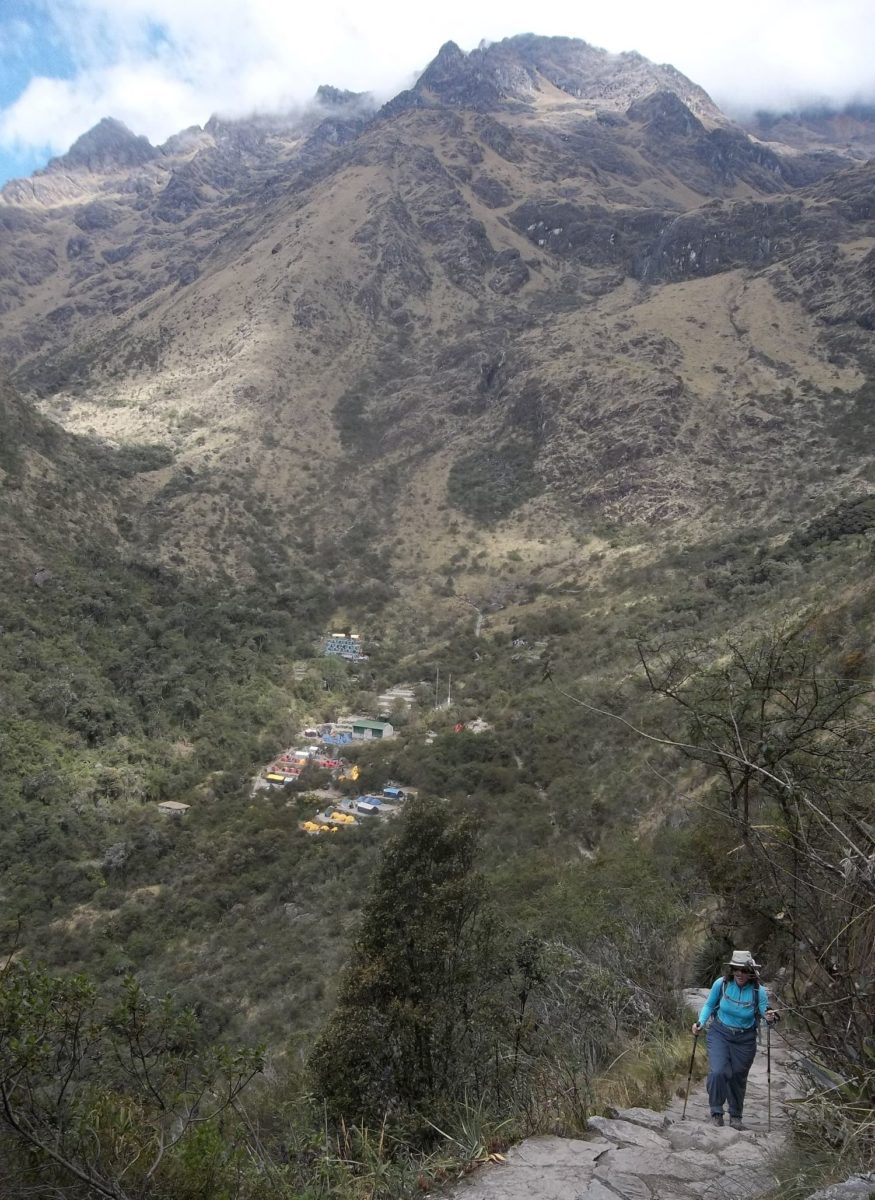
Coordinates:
(520, 69)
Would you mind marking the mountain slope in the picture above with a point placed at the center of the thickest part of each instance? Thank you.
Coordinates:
(529, 291)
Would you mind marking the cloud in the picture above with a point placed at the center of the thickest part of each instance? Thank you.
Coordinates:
(52, 113)
(160, 65)
(782, 54)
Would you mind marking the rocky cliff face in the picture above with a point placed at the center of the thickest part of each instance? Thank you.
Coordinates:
(545, 274)
(108, 149)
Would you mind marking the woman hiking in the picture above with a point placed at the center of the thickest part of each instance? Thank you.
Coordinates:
(737, 1002)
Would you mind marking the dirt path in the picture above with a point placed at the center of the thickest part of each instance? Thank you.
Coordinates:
(645, 1155)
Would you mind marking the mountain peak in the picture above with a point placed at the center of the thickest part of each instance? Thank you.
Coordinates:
(106, 147)
(450, 52)
(514, 71)
(333, 97)
(483, 79)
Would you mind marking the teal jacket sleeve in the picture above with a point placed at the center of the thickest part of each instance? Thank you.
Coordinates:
(713, 1000)
(764, 1000)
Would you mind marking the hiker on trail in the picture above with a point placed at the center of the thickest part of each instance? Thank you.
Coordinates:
(737, 1003)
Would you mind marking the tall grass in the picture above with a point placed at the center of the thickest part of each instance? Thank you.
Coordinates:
(648, 1073)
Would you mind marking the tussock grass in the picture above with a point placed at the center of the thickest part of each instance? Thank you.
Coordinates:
(648, 1073)
(833, 1139)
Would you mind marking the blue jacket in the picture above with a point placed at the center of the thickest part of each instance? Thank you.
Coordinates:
(735, 1008)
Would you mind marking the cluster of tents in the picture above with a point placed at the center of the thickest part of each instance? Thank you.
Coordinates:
(319, 827)
(335, 820)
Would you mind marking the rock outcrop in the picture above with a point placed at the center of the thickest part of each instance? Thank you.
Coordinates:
(859, 1187)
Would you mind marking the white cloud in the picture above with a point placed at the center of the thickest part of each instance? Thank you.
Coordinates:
(52, 113)
(160, 65)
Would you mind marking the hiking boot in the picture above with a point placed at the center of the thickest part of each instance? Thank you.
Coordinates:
(736, 1123)
(717, 1119)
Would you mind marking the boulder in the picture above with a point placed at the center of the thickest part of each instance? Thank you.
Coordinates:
(744, 1153)
(648, 1162)
(549, 1151)
(706, 1138)
(858, 1187)
(642, 1116)
(550, 1168)
(624, 1133)
(596, 1190)
(626, 1187)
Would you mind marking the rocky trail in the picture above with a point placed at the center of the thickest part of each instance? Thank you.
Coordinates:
(644, 1155)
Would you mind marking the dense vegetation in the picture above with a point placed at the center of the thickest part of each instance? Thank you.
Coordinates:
(451, 1027)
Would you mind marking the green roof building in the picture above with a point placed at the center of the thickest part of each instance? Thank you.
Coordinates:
(372, 729)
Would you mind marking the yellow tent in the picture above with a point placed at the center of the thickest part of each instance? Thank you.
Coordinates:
(318, 827)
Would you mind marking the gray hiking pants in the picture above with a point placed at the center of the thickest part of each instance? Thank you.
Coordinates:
(730, 1057)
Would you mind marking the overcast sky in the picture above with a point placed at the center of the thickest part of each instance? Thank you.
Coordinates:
(161, 65)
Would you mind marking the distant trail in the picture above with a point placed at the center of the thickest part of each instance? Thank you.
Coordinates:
(645, 1155)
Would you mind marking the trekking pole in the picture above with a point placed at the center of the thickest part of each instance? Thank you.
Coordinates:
(690, 1076)
(769, 1071)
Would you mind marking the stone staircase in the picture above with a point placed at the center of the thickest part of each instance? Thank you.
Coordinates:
(637, 1154)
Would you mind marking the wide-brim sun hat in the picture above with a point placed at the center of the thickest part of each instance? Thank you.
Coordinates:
(742, 960)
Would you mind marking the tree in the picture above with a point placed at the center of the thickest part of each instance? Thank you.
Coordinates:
(96, 1099)
(420, 1012)
(787, 832)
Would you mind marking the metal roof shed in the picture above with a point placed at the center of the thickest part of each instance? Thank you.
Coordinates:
(372, 729)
